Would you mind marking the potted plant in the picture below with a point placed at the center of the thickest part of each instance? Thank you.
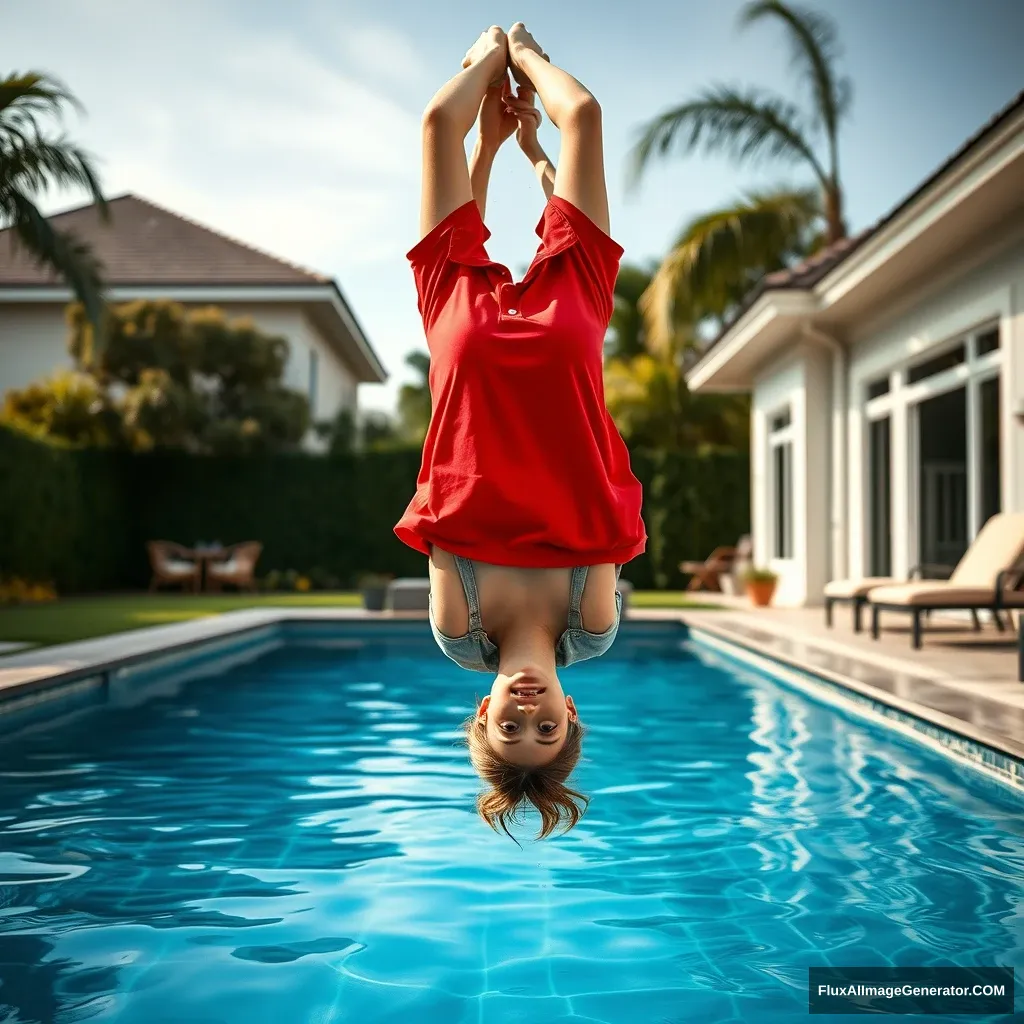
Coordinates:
(374, 586)
(760, 584)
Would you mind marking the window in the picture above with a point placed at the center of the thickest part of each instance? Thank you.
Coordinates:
(937, 364)
(988, 342)
(314, 372)
(780, 442)
(990, 454)
(879, 496)
(877, 388)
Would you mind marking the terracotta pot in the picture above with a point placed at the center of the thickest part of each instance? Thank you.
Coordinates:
(761, 592)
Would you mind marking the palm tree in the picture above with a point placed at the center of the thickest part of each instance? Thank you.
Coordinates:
(725, 249)
(32, 163)
(414, 398)
(719, 256)
(626, 330)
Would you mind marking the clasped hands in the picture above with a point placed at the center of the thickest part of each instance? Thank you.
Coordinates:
(503, 113)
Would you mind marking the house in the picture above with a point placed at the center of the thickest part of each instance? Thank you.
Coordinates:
(151, 253)
(887, 379)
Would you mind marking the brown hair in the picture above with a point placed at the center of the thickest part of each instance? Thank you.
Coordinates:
(513, 785)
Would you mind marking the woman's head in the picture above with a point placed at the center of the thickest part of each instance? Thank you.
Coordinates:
(524, 741)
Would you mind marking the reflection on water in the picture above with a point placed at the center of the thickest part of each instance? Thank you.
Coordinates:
(295, 840)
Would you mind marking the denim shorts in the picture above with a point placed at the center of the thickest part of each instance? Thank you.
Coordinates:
(476, 652)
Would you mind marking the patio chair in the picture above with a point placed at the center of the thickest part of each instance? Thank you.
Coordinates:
(707, 575)
(173, 565)
(723, 565)
(987, 578)
(238, 568)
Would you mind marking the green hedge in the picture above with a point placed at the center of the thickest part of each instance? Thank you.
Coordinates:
(65, 515)
(81, 517)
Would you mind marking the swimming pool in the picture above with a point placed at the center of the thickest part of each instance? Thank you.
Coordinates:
(294, 840)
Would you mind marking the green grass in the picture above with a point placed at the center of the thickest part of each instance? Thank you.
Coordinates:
(79, 618)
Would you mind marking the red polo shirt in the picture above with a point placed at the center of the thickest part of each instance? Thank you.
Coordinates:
(522, 463)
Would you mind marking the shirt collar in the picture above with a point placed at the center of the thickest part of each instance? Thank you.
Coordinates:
(466, 242)
(555, 231)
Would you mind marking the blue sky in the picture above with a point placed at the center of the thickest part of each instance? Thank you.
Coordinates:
(295, 126)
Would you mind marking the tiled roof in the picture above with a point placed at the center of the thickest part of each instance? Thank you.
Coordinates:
(807, 274)
(143, 243)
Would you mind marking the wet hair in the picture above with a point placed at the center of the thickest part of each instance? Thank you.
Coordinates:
(513, 786)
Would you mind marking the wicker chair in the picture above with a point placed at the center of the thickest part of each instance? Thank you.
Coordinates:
(173, 565)
(238, 568)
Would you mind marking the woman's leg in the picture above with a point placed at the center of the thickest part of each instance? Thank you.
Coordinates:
(446, 123)
(579, 178)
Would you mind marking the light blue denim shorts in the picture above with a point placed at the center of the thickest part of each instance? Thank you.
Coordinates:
(476, 652)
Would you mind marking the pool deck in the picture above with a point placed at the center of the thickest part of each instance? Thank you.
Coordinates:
(961, 681)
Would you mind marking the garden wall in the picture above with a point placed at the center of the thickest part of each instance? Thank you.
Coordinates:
(80, 518)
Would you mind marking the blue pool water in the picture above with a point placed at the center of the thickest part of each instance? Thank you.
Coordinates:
(294, 841)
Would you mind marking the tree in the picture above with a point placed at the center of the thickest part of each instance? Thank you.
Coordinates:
(32, 162)
(414, 399)
(626, 331)
(749, 125)
(169, 378)
(69, 406)
(648, 398)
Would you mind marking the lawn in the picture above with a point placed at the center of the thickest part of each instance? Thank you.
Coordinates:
(79, 618)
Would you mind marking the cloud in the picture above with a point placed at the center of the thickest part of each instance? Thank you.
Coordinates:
(258, 128)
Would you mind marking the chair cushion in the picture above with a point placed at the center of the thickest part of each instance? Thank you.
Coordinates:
(228, 568)
(941, 594)
(178, 567)
(856, 588)
(998, 546)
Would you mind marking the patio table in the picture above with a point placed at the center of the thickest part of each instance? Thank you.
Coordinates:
(205, 554)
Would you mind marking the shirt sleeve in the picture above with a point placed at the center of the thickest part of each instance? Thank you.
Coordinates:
(597, 254)
(434, 258)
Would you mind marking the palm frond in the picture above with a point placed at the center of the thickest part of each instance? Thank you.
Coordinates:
(26, 96)
(67, 255)
(814, 53)
(720, 255)
(42, 165)
(743, 125)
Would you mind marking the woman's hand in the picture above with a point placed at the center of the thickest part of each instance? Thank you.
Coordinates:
(497, 122)
(524, 108)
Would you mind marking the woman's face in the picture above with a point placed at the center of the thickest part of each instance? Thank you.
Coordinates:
(527, 716)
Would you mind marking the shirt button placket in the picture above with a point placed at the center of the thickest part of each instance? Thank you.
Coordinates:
(508, 301)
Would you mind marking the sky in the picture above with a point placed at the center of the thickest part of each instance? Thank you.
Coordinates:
(295, 127)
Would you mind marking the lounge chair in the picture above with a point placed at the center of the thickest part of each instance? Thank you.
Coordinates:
(721, 562)
(173, 565)
(855, 592)
(988, 578)
(238, 568)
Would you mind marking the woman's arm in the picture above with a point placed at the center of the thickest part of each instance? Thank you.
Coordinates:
(542, 167)
(496, 124)
(528, 116)
(481, 161)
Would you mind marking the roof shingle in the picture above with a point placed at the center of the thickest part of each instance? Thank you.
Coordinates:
(145, 244)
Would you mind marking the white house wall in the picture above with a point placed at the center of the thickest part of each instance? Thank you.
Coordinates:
(938, 312)
(33, 343)
(801, 383)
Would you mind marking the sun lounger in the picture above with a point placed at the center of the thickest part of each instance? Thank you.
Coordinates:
(988, 578)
